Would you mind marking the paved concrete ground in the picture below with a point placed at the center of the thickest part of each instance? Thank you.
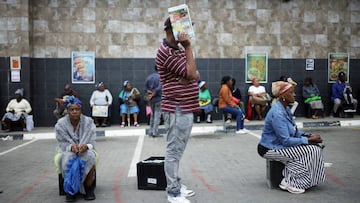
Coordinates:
(219, 167)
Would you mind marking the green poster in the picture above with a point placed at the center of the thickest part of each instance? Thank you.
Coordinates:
(256, 67)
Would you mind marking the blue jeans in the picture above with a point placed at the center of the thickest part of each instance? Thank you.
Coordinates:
(178, 128)
(236, 112)
(155, 118)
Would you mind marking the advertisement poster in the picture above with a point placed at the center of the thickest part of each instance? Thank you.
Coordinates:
(337, 62)
(256, 65)
(15, 63)
(83, 67)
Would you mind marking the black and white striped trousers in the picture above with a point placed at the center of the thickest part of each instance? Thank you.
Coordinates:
(304, 165)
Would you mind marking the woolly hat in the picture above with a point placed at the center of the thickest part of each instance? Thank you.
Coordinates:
(20, 91)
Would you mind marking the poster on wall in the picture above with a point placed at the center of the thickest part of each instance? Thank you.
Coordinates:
(15, 63)
(310, 64)
(256, 65)
(337, 62)
(15, 76)
(83, 67)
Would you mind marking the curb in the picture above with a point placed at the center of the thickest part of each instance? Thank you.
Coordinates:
(195, 130)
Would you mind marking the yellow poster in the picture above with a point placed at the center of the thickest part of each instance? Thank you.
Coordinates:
(337, 62)
(256, 67)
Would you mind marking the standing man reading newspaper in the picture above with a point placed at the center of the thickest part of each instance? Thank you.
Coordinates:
(179, 76)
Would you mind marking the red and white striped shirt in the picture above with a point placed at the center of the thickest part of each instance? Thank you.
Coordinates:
(171, 64)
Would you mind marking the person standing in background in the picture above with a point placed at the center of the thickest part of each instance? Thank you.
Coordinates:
(153, 95)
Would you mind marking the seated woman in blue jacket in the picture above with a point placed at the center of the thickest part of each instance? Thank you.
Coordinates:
(281, 141)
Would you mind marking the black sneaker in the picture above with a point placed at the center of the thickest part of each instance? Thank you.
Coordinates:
(70, 198)
(89, 193)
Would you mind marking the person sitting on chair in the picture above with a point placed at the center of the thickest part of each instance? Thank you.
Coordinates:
(101, 97)
(258, 97)
(129, 98)
(17, 110)
(301, 153)
(204, 102)
(60, 110)
(337, 93)
(312, 97)
(236, 94)
(227, 104)
(75, 135)
(293, 106)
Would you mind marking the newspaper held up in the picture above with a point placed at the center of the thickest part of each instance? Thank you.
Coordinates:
(181, 21)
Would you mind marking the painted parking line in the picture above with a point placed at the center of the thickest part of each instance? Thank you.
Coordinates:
(21, 197)
(202, 180)
(17, 147)
(136, 156)
(334, 179)
(116, 187)
(254, 134)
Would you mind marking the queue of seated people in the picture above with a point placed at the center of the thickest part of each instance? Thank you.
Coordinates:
(78, 148)
(18, 110)
(101, 101)
(260, 101)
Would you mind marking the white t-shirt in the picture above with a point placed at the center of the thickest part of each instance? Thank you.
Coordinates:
(101, 98)
(256, 90)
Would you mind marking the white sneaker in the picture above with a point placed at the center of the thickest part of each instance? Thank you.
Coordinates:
(228, 121)
(283, 185)
(185, 192)
(242, 131)
(295, 190)
(178, 199)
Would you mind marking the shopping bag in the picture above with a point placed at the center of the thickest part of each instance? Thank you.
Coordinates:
(73, 175)
(29, 122)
